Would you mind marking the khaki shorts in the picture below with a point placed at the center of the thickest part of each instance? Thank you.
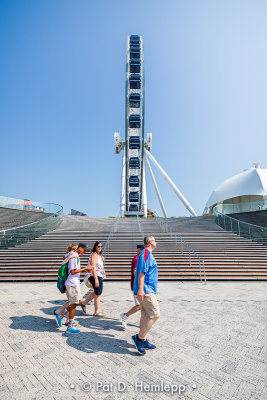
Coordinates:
(74, 294)
(150, 306)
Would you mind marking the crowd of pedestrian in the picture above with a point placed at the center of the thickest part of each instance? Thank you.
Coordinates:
(144, 279)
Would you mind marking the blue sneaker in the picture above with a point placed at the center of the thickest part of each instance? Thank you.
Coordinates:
(71, 329)
(58, 319)
(149, 346)
(138, 344)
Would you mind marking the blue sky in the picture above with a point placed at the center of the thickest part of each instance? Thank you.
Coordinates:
(62, 76)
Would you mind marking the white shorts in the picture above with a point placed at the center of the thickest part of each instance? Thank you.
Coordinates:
(136, 302)
(74, 294)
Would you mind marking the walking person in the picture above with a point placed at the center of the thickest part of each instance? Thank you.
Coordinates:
(136, 307)
(96, 261)
(73, 285)
(145, 288)
(60, 313)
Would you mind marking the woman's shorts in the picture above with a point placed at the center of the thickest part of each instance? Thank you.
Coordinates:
(98, 290)
(74, 293)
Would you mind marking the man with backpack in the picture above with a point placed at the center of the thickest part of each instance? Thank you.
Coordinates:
(72, 284)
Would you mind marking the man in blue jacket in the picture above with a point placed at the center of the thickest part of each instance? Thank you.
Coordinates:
(145, 288)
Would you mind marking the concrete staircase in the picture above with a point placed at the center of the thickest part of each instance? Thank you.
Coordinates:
(226, 255)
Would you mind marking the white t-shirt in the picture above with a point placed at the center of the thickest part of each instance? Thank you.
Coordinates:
(74, 263)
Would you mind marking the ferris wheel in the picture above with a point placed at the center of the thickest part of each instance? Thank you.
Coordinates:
(137, 149)
(133, 198)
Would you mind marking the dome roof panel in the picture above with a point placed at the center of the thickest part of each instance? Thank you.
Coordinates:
(252, 181)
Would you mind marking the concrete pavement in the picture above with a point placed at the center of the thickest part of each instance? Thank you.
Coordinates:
(211, 345)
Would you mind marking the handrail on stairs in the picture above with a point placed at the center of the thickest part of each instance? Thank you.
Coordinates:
(111, 233)
(241, 228)
(141, 229)
(165, 226)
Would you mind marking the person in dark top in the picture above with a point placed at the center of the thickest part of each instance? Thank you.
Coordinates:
(136, 307)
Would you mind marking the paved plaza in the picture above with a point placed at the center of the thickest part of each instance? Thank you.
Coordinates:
(210, 340)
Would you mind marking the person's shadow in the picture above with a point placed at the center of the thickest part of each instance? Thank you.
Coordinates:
(88, 342)
(93, 342)
(33, 323)
(101, 323)
(88, 321)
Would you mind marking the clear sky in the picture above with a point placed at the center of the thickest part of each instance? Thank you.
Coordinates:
(62, 88)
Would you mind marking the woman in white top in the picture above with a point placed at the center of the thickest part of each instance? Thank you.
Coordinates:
(96, 277)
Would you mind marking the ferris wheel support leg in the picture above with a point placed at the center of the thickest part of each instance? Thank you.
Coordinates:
(123, 185)
(144, 193)
(156, 188)
(171, 183)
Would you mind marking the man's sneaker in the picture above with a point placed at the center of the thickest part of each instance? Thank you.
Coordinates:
(138, 344)
(58, 319)
(124, 320)
(71, 329)
(148, 345)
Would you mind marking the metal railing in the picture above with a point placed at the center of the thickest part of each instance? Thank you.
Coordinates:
(28, 205)
(21, 234)
(141, 229)
(106, 248)
(184, 247)
(243, 229)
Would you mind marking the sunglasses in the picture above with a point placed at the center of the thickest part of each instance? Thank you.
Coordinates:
(99, 246)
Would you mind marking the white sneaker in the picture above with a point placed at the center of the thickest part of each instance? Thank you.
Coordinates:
(124, 320)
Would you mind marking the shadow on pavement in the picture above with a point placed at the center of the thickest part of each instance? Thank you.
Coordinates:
(58, 303)
(93, 342)
(104, 324)
(88, 342)
(33, 323)
(88, 321)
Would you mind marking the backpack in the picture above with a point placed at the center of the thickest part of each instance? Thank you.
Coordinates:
(63, 272)
(62, 277)
(61, 285)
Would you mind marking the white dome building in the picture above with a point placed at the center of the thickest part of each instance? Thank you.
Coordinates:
(244, 192)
